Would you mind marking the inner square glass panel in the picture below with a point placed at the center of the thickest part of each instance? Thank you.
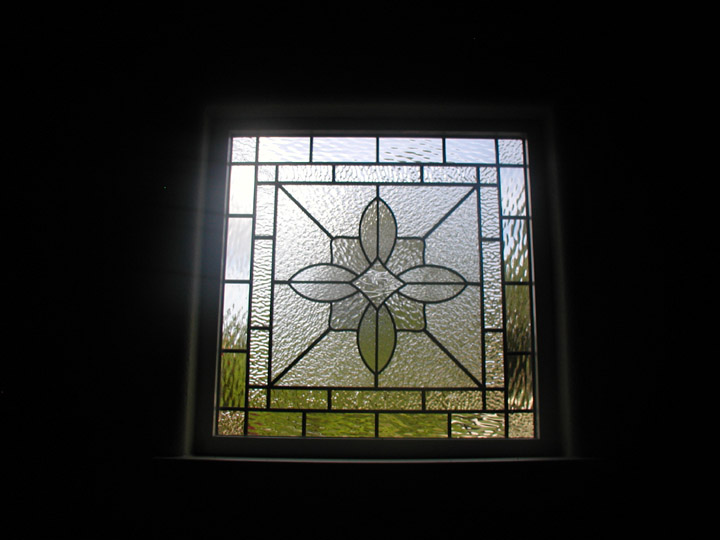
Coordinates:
(387, 293)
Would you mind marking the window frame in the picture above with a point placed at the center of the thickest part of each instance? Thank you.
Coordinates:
(532, 123)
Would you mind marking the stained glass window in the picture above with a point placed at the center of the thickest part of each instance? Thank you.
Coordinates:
(377, 287)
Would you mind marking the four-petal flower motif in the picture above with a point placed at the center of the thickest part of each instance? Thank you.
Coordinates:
(372, 277)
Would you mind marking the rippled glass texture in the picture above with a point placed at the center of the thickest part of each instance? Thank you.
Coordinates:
(377, 287)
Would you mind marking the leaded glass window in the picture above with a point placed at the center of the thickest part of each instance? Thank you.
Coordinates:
(377, 287)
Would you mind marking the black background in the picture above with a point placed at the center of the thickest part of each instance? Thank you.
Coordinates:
(108, 107)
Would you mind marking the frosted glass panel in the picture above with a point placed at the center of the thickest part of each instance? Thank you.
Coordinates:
(284, 149)
(377, 287)
(239, 235)
(242, 189)
(470, 150)
(243, 149)
(411, 150)
(344, 149)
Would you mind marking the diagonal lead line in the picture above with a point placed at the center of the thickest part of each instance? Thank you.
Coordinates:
(442, 219)
(300, 357)
(301, 207)
(452, 357)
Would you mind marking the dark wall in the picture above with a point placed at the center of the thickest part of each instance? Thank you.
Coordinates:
(108, 199)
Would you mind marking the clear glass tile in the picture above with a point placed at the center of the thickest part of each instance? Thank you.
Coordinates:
(515, 240)
(490, 211)
(265, 211)
(231, 423)
(412, 425)
(239, 235)
(378, 400)
(512, 182)
(494, 359)
(482, 425)
(242, 189)
(522, 425)
(340, 425)
(266, 173)
(235, 316)
(298, 399)
(465, 175)
(511, 151)
(488, 175)
(410, 150)
(344, 149)
(492, 284)
(275, 423)
(305, 173)
(458, 400)
(232, 379)
(520, 384)
(377, 173)
(519, 328)
(243, 149)
(284, 149)
(259, 356)
(470, 150)
(261, 291)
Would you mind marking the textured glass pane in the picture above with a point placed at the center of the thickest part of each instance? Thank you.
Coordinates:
(333, 361)
(297, 323)
(412, 150)
(340, 425)
(512, 182)
(235, 313)
(470, 150)
(242, 189)
(412, 425)
(495, 400)
(275, 423)
(488, 175)
(265, 220)
(519, 331)
(494, 359)
(262, 269)
(237, 265)
(259, 343)
(324, 292)
(231, 423)
(511, 151)
(517, 264)
(257, 398)
(376, 173)
(232, 379)
(456, 324)
(408, 314)
(454, 243)
(266, 173)
(490, 211)
(492, 284)
(522, 425)
(305, 173)
(299, 399)
(418, 209)
(348, 253)
(337, 208)
(520, 385)
(243, 149)
(483, 425)
(334, 149)
(376, 400)
(419, 362)
(407, 253)
(284, 149)
(346, 314)
(458, 400)
(450, 174)
(300, 241)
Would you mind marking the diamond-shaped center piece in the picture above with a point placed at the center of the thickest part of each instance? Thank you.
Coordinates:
(377, 283)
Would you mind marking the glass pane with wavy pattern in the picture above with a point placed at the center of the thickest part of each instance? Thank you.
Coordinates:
(377, 287)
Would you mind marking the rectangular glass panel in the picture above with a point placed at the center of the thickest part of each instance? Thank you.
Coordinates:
(340, 425)
(235, 316)
(413, 425)
(470, 150)
(385, 300)
(237, 265)
(345, 149)
(284, 149)
(410, 150)
(242, 189)
(243, 149)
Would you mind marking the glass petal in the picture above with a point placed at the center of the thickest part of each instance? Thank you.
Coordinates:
(430, 292)
(376, 338)
(324, 273)
(378, 231)
(324, 292)
(431, 274)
